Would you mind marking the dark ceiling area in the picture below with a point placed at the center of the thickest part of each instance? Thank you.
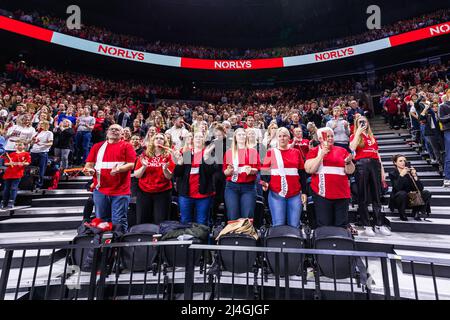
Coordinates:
(232, 23)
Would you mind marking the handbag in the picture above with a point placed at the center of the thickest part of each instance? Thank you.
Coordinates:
(415, 197)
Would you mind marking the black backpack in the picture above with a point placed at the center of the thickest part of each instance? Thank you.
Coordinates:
(89, 239)
(139, 258)
(285, 237)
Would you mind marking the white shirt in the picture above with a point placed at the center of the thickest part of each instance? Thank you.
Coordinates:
(176, 134)
(41, 138)
(17, 132)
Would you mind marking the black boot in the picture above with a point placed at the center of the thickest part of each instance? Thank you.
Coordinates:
(417, 216)
(403, 217)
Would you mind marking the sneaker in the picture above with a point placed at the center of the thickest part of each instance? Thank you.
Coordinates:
(383, 230)
(433, 161)
(446, 183)
(368, 231)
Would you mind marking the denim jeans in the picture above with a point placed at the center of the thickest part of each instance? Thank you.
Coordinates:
(63, 155)
(447, 155)
(201, 208)
(112, 208)
(240, 200)
(10, 188)
(82, 145)
(285, 210)
(40, 160)
(426, 142)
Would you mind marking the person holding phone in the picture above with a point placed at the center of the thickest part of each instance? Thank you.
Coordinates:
(369, 176)
(329, 166)
(404, 179)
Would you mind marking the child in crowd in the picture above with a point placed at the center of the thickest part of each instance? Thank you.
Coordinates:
(15, 163)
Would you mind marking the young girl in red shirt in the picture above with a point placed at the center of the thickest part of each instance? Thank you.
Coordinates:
(15, 163)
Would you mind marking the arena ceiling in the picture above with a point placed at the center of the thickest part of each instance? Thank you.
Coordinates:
(233, 23)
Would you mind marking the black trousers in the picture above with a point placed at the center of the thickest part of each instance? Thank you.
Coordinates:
(394, 120)
(331, 212)
(153, 207)
(400, 202)
(368, 180)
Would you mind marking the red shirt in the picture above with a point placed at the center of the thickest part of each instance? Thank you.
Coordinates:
(99, 124)
(116, 153)
(293, 162)
(153, 179)
(246, 157)
(392, 105)
(370, 149)
(302, 146)
(330, 181)
(194, 178)
(16, 172)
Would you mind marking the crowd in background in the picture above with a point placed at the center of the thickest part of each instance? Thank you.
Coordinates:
(46, 112)
(103, 35)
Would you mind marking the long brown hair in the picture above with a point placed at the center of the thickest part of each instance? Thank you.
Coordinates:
(369, 131)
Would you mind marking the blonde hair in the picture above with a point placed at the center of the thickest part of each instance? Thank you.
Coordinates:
(369, 131)
(150, 151)
(44, 124)
(284, 130)
(324, 129)
(234, 145)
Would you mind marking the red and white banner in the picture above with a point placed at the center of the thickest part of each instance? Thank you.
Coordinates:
(43, 34)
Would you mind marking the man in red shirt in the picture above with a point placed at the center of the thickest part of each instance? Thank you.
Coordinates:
(111, 163)
(392, 107)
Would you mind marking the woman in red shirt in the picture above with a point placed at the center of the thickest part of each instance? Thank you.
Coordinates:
(194, 172)
(240, 166)
(329, 166)
(281, 172)
(368, 176)
(154, 170)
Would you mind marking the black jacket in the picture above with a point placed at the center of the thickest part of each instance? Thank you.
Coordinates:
(63, 138)
(444, 115)
(402, 184)
(183, 172)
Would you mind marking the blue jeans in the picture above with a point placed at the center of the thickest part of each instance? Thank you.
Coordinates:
(283, 209)
(82, 144)
(112, 208)
(10, 188)
(447, 154)
(40, 160)
(426, 142)
(240, 200)
(201, 208)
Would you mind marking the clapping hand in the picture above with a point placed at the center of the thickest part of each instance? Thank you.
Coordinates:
(88, 171)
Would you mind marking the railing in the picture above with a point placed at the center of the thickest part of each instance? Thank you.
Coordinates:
(175, 270)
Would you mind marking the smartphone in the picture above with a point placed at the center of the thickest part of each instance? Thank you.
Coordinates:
(325, 137)
(407, 164)
(363, 123)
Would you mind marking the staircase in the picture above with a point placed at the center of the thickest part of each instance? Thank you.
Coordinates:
(429, 238)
